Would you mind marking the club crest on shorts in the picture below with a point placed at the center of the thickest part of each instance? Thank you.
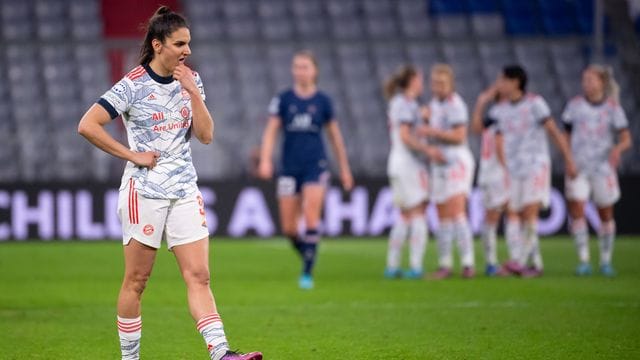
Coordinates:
(148, 229)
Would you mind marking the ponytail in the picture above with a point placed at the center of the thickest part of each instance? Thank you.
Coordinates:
(611, 87)
(161, 25)
(399, 80)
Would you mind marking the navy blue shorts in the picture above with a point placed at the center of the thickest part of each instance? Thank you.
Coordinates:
(291, 182)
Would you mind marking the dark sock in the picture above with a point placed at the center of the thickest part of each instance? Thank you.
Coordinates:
(296, 242)
(309, 250)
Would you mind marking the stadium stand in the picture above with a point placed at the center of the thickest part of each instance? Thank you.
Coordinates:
(52, 70)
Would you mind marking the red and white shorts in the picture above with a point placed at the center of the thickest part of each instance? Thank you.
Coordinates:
(495, 194)
(452, 179)
(603, 189)
(410, 187)
(530, 190)
(179, 221)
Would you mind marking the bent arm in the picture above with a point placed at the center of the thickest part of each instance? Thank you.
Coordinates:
(202, 124)
(455, 136)
(410, 140)
(560, 140)
(91, 127)
(624, 140)
(499, 139)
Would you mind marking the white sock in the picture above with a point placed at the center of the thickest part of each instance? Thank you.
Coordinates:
(397, 237)
(512, 235)
(210, 326)
(445, 238)
(531, 246)
(465, 241)
(607, 236)
(580, 233)
(489, 235)
(130, 332)
(417, 243)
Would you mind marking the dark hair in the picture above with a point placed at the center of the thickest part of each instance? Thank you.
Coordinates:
(516, 72)
(399, 80)
(161, 25)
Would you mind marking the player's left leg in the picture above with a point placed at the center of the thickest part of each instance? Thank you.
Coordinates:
(457, 209)
(312, 202)
(606, 192)
(489, 239)
(193, 261)
(606, 236)
(418, 238)
(531, 241)
(580, 231)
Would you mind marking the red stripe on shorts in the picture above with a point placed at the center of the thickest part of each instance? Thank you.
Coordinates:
(130, 201)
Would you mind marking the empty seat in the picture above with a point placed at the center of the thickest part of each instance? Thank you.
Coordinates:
(237, 9)
(84, 10)
(388, 57)
(86, 30)
(242, 29)
(381, 27)
(487, 25)
(452, 26)
(424, 55)
(347, 29)
(307, 9)
(533, 56)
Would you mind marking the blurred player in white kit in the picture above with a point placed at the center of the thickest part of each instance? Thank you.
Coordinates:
(524, 121)
(407, 171)
(493, 181)
(597, 129)
(451, 180)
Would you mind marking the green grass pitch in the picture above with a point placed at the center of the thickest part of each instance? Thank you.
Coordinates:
(57, 301)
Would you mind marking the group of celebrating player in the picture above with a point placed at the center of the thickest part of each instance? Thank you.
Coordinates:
(430, 161)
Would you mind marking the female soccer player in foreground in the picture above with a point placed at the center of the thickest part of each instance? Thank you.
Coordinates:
(452, 179)
(494, 183)
(592, 122)
(407, 171)
(162, 105)
(302, 113)
(524, 120)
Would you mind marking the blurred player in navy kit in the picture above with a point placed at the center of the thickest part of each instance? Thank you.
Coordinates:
(301, 113)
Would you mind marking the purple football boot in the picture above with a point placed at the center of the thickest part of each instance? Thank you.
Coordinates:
(232, 355)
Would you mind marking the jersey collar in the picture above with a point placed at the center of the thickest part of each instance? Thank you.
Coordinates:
(161, 79)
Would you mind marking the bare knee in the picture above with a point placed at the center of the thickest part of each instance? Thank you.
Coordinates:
(136, 282)
(199, 277)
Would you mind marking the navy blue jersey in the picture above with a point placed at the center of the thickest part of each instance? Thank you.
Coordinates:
(302, 122)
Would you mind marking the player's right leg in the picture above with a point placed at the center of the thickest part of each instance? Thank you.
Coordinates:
(495, 198)
(489, 239)
(142, 222)
(138, 263)
(577, 193)
(397, 237)
(290, 210)
(531, 241)
(410, 194)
